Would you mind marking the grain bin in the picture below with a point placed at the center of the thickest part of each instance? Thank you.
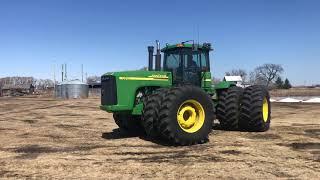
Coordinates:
(58, 91)
(74, 89)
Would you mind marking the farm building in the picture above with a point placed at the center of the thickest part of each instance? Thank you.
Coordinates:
(94, 88)
(235, 79)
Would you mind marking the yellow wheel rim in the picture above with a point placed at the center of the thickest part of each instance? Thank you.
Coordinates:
(190, 116)
(265, 110)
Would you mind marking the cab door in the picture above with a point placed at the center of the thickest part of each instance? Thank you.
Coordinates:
(191, 68)
(173, 63)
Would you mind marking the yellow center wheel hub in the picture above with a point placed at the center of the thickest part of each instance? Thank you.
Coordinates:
(265, 109)
(190, 116)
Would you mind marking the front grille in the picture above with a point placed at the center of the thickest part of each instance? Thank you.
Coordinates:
(108, 90)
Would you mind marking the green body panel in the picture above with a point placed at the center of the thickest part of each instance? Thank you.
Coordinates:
(206, 82)
(129, 83)
(223, 85)
(137, 110)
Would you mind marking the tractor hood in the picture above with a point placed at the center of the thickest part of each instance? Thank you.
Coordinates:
(140, 75)
(120, 89)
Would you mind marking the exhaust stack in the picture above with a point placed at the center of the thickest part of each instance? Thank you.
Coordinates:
(158, 57)
(150, 50)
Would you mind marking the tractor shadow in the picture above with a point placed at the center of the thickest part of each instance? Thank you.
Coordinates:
(122, 134)
(119, 134)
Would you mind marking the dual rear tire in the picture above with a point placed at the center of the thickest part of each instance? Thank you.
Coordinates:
(255, 112)
(244, 109)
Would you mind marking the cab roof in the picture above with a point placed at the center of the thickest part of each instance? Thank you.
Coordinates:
(205, 46)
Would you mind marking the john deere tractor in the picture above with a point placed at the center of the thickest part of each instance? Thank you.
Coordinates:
(178, 102)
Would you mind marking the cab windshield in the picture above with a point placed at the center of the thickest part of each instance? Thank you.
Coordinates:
(186, 58)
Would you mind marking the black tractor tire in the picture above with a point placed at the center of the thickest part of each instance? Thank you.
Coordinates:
(221, 106)
(150, 112)
(232, 108)
(128, 122)
(254, 116)
(228, 107)
(178, 98)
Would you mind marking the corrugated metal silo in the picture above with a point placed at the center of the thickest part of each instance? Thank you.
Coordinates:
(74, 89)
(58, 91)
(63, 90)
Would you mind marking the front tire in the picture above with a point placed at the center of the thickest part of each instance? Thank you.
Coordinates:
(150, 112)
(186, 116)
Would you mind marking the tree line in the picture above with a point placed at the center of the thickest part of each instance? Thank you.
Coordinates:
(267, 74)
(19, 82)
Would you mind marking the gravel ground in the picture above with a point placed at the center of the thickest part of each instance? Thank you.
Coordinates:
(47, 138)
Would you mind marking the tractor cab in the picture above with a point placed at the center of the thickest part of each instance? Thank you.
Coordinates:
(188, 63)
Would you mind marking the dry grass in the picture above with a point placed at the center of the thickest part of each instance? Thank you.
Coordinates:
(46, 138)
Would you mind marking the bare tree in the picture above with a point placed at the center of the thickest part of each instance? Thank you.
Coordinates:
(16, 81)
(266, 74)
(238, 72)
(255, 78)
(43, 83)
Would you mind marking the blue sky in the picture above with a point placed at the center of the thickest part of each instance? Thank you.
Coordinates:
(113, 35)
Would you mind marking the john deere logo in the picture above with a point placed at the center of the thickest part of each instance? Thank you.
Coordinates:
(159, 76)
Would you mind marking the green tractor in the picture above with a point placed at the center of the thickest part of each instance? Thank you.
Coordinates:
(178, 102)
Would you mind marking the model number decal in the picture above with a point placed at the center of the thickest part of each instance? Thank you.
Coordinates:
(160, 76)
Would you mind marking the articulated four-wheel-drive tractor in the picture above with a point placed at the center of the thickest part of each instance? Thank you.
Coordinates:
(178, 102)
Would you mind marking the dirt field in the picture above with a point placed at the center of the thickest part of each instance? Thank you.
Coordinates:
(46, 138)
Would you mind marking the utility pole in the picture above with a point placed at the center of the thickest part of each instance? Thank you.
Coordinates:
(54, 78)
(82, 72)
(54, 75)
(61, 72)
(65, 73)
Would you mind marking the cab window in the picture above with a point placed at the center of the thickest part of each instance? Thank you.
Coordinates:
(204, 56)
(172, 60)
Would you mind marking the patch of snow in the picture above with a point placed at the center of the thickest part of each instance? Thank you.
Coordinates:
(289, 100)
(272, 100)
(313, 100)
